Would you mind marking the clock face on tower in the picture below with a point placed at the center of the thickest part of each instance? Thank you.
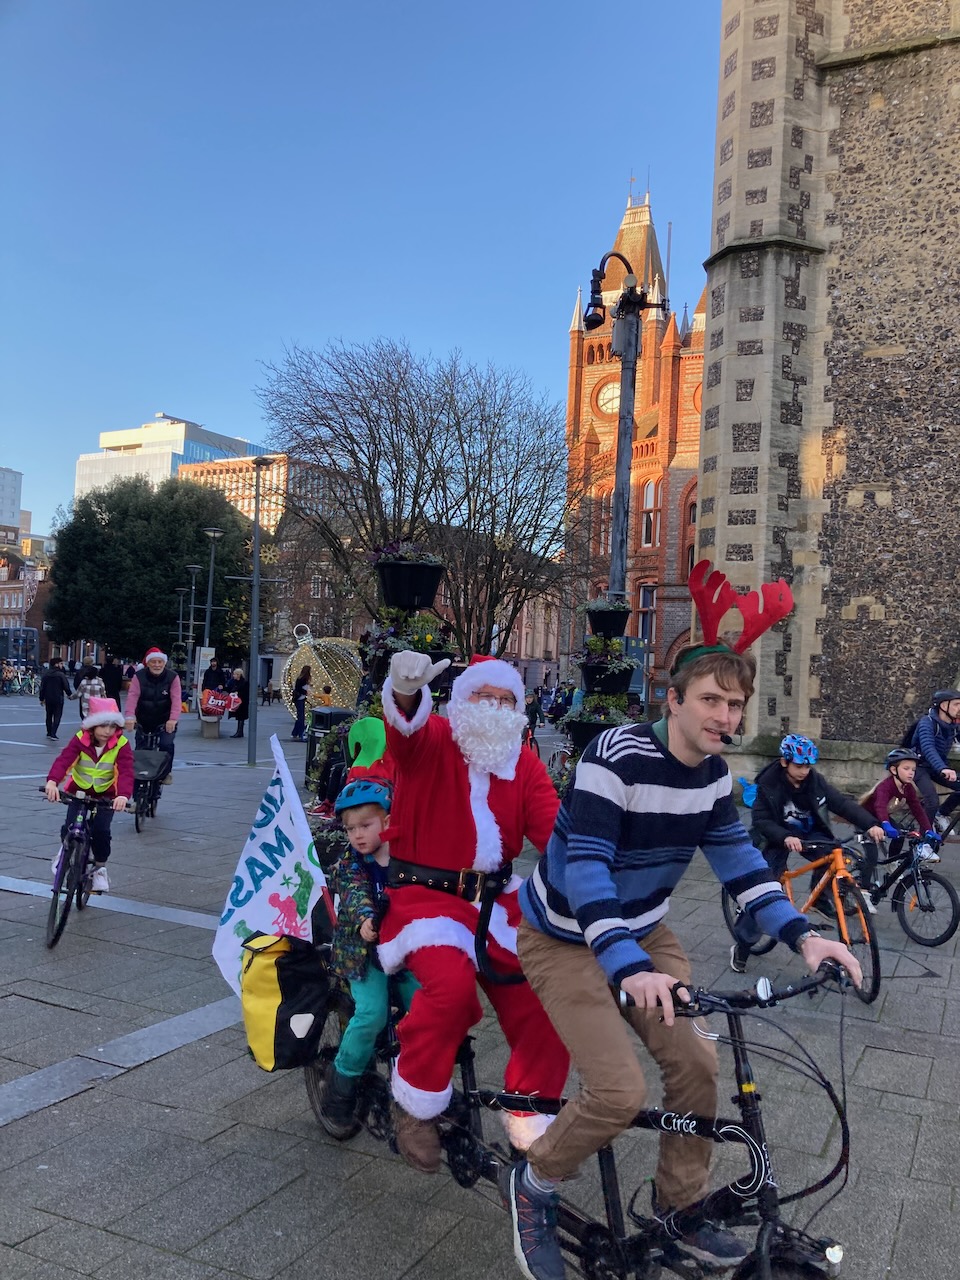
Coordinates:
(608, 397)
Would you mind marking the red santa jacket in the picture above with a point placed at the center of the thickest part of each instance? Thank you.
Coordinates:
(448, 815)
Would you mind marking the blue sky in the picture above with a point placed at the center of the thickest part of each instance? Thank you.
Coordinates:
(194, 185)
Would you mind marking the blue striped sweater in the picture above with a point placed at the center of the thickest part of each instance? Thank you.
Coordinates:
(626, 832)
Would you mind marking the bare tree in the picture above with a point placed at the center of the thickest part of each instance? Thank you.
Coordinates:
(467, 461)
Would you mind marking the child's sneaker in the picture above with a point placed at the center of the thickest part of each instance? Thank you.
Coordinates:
(738, 957)
(100, 882)
(927, 853)
(940, 823)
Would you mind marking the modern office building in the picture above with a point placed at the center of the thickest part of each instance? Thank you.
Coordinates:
(11, 484)
(155, 450)
(286, 485)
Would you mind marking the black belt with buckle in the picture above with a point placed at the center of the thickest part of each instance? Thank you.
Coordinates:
(468, 884)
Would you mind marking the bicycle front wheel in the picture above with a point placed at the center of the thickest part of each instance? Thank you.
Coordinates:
(141, 809)
(315, 1074)
(64, 885)
(858, 934)
(929, 914)
(731, 912)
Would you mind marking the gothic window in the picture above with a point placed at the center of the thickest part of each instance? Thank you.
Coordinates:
(590, 356)
(609, 350)
(606, 520)
(650, 495)
(600, 354)
(689, 541)
(647, 615)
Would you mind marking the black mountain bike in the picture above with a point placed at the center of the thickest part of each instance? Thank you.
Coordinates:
(73, 877)
(926, 903)
(629, 1244)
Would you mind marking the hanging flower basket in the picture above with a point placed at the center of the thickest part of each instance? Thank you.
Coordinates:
(443, 680)
(407, 584)
(598, 678)
(606, 620)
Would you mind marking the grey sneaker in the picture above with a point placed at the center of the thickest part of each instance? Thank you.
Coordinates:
(738, 957)
(940, 823)
(534, 1214)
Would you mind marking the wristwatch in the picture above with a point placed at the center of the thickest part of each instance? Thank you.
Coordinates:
(805, 937)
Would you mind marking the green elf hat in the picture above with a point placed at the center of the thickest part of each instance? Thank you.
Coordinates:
(713, 596)
(366, 741)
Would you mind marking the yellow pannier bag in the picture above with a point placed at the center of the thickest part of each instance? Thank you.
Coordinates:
(285, 989)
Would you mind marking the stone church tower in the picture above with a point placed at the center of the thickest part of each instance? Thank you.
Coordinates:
(663, 497)
(831, 425)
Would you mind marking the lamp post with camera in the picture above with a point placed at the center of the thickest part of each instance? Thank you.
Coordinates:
(627, 314)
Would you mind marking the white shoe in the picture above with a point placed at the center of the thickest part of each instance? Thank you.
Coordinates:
(927, 853)
(869, 904)
(940, 823)
(100, 882)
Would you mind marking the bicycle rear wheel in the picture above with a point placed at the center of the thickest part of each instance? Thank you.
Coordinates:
(64, 885)
(928, 915)
(858, 934)
(731, 911)
(339, 1012)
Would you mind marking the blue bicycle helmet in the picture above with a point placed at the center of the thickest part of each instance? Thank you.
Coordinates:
(363, 791)
(798, 749)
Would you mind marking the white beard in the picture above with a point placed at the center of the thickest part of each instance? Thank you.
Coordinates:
(488, 737)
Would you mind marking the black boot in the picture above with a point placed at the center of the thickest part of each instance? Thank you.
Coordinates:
(338, 1104)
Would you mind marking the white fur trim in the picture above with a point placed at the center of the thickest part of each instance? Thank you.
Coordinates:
(395, 717)
(154, 653)
(419, 1102)
(496, 674)
(500, 929)
(525, 1128)
(441, 931)
(489, 853)
(428, 931)
(513, 884)
(103, 717)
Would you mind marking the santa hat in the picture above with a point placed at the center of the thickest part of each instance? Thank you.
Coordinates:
(154, 653)
(102, 711)
(490, 673)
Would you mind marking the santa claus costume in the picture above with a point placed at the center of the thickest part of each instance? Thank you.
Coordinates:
(457, 812)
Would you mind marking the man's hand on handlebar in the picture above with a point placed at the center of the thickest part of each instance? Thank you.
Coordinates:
(648, 990)
(816, 950)
(793, 844)
(876, 834)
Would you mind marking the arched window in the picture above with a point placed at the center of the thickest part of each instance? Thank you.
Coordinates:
(688, 535)
(590, 356)
(609, 350)
(650, 494)
(600, 354)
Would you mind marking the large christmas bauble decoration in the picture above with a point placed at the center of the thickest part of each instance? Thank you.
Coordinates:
(332, 660)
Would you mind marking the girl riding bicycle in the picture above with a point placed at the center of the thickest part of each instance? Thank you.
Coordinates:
(97, 761)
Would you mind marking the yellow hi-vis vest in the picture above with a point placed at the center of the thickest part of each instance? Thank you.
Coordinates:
(97, 775)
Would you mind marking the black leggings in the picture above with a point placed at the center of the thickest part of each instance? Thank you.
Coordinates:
(99, 830)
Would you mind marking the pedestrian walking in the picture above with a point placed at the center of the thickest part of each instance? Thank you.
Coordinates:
(54, 687)
(240, 685)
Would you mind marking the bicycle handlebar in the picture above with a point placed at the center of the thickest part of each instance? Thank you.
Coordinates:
(94, 802)
(762, 996)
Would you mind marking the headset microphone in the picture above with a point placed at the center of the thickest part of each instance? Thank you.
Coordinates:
(726, 739)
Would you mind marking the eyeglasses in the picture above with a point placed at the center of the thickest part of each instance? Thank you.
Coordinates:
(493, 701)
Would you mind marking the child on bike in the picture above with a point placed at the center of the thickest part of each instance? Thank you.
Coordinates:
(97, 761)
(897, 805)
(793, 804)
(361, 880)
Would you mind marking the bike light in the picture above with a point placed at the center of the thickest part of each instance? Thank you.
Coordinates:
(833, 1256)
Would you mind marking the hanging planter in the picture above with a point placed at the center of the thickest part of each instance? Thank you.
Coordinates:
(407, 584)
(607, 620)
(598, 678)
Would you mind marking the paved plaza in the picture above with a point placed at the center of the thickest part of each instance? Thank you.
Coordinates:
(138, 1139)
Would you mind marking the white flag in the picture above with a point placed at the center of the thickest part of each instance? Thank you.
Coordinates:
(278, 878)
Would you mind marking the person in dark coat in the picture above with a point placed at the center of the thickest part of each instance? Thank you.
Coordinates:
(54, 687)
(213, 677)
(111, 673)
(240, 685)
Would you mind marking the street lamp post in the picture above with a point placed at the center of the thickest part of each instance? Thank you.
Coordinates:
(214, 535)
(181, 592)
(193, 570)
(258, 463)
(626, 344)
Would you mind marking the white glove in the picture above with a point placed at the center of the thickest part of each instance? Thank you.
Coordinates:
(410, 671)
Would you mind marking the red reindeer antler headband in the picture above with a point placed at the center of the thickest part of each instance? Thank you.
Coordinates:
(713, 595)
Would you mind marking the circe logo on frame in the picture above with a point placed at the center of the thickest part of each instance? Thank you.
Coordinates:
(671, 1122)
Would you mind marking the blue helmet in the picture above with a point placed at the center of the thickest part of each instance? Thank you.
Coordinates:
(363, 791)
(798, 749)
